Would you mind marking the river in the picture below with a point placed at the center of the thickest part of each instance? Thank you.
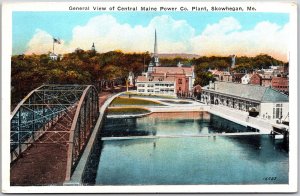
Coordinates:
(256, 159)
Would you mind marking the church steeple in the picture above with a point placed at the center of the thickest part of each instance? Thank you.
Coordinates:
(93, 47)
(154, 59)
(155, 44)
(155, 56)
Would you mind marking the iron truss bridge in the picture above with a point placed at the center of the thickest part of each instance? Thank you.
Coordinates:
(55, 114)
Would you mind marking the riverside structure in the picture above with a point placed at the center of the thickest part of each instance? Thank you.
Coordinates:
(269, 104)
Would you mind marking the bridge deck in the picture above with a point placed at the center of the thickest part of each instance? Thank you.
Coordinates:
(181, 136)
(42, 164)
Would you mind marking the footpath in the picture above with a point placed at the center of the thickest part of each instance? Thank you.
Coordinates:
(44, 164)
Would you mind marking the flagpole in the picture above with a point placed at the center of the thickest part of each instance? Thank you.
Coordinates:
(53, 47)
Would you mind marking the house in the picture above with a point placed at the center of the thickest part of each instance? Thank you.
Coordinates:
(270, 104)
(246, 78)
(266, 81)
(255, 79)
(280, 84)
(237, 77)
(53, 56)
(221, 75)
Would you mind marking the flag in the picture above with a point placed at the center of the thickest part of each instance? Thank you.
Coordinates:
(56, 40)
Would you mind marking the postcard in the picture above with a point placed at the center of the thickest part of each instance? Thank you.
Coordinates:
(149, 97)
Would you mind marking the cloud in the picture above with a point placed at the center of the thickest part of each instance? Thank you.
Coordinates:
(224, 26)
(174, 36)
(265, 37)
(42, 42)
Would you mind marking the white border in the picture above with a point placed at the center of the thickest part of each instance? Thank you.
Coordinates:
(8, 8)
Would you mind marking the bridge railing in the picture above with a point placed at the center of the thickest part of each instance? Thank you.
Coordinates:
(84, 120)
(38, 112)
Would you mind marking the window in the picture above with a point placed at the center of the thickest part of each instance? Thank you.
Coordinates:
(277, 111)
(141, 85)
(179, 81)
(141, 90)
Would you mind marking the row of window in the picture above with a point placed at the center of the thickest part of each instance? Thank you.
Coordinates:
(152, 85)
(280, 86)
(167, 85)
(151, 90)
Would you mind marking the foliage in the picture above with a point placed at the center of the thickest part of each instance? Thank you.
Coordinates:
(79, 67)
(88, 67)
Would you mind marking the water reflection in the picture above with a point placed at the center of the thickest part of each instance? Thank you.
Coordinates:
(118, 127)
(188, 160)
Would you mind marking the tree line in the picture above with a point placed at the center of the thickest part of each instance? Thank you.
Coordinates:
(80, 67)
(89, 67)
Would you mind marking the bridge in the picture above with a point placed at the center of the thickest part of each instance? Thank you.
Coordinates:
(57, 119)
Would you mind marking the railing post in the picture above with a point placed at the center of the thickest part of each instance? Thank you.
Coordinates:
(19, 131)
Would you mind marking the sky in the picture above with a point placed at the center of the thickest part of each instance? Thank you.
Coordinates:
(209, 33)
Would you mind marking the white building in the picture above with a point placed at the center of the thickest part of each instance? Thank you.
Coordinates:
(246, 78)
(53, 56)
(269, 103)
(156, 85)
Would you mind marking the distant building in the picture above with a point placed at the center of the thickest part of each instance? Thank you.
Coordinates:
(269, 103)
(53, 56)
(246, 78)
(255, 79)
(280, 84)
(156, 85)
(237, 77)
(93, 49)
(221, 75)
(266, 81)
(177, 81)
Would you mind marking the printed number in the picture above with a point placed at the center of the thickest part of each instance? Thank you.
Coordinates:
(269, 178)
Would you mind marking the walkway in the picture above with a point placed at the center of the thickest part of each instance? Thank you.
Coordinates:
(181, 136)
(42, 164)
(243, 118)
(45, 164)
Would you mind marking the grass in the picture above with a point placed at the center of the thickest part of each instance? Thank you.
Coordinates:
(133, 101)
(176, 102)
(122, 111)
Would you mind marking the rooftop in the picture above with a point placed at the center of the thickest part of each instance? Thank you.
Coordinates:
(174, 70)
(155, 79)
(253, 92)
